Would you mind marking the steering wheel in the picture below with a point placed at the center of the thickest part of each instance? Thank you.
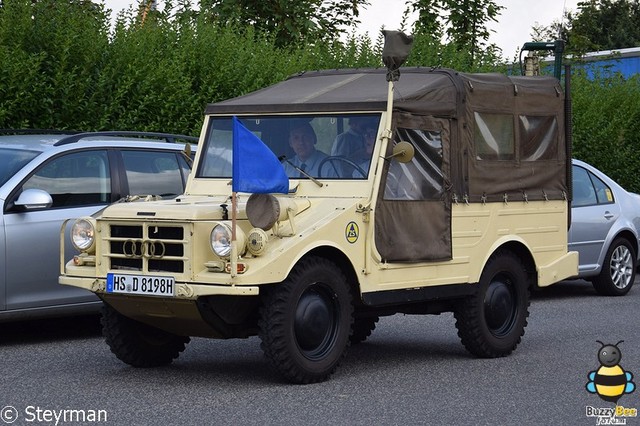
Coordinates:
(333, 160)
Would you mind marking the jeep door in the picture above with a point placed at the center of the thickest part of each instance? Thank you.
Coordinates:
(413, 211)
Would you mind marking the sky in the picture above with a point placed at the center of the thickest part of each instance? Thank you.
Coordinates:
(512, 30)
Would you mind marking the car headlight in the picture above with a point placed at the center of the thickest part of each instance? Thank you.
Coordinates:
(221, 241)
(83, 235)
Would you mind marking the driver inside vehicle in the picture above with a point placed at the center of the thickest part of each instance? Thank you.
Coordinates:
(302, 140)
(364, 160)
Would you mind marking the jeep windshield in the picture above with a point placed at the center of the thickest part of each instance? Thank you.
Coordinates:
(321, 146)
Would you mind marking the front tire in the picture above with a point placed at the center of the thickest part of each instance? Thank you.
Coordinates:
(306, 320)
(491, 322)
(618, 270)
(138, 344)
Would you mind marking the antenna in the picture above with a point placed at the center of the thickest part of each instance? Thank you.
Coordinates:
(564, 13)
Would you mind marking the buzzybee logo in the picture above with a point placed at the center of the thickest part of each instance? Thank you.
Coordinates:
(610, 382)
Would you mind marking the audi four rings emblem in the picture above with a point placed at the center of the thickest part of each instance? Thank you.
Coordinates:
(137, 249)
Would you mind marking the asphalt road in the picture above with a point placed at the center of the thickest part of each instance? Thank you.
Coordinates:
(412, 371)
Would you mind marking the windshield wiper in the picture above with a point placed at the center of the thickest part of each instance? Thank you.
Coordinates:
(314, 180)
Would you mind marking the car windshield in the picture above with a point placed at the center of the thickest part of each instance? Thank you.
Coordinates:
(322, 146)
(12, 160)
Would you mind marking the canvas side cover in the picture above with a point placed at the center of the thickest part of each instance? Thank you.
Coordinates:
(513, 130)
(413, 210)
(507, 143)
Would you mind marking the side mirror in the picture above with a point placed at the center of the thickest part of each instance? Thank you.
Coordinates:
(403, 152)
(31, 199)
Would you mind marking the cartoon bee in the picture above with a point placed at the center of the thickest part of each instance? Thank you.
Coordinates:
(610, 381)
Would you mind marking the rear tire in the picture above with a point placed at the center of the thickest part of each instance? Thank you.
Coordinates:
(491, 322)
(362, 328)
(306, 320)
(138, 344)
(618, 269)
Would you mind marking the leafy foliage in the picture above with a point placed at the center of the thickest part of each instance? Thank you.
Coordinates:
(290, 22)
(50, 54)
(606, 130)
(63, 66)
(597, 25)
(606, 126)
(465, 24)
(605, 25)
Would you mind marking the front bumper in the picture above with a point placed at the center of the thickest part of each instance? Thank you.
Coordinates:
(183, 290)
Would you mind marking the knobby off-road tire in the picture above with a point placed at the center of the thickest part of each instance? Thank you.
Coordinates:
(305, 321)
(491, 322)
(362, 328)
(618, 269)
(138, 344)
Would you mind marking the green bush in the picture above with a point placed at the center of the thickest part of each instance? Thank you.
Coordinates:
(606, 126)
(63, 66)
(50, 54)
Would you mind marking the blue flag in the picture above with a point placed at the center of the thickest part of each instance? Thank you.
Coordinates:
(255, 168)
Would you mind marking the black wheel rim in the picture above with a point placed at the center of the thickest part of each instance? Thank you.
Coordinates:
(500, 307)
(316, 321)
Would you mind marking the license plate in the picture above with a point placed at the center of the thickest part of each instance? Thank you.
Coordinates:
(141, 284)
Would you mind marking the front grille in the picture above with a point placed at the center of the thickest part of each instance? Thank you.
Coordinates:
(147, 248)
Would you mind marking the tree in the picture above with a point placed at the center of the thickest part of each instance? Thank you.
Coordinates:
(606, 24)
(289, 21)
(557, 30)
(465, 24)
(429, 12)
(599, 25)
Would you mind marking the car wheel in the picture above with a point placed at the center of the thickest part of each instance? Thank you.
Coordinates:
(491, 322)
(618, 270)
(362, 328)
(305, 321)
(138, 344)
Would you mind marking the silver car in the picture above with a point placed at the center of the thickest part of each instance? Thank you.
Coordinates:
(604, 230)
(47, 178)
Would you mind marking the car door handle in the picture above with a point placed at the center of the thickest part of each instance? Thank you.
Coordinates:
(608, 215)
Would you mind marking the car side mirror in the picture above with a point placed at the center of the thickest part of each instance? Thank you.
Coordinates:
(403, 152)
(32, 199)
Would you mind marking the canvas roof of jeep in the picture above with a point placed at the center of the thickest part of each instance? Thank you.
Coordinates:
(535, 105)
(432, 91)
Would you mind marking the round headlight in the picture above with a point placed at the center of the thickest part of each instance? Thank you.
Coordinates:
(83, 235)
(221, 241)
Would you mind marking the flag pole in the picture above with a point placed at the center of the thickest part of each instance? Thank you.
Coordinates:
(234, 248)
(251, 176)
(397, 47)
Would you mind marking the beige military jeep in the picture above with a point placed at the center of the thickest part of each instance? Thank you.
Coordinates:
(449, 195)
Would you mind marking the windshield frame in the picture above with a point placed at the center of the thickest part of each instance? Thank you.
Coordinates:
(277, 132)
